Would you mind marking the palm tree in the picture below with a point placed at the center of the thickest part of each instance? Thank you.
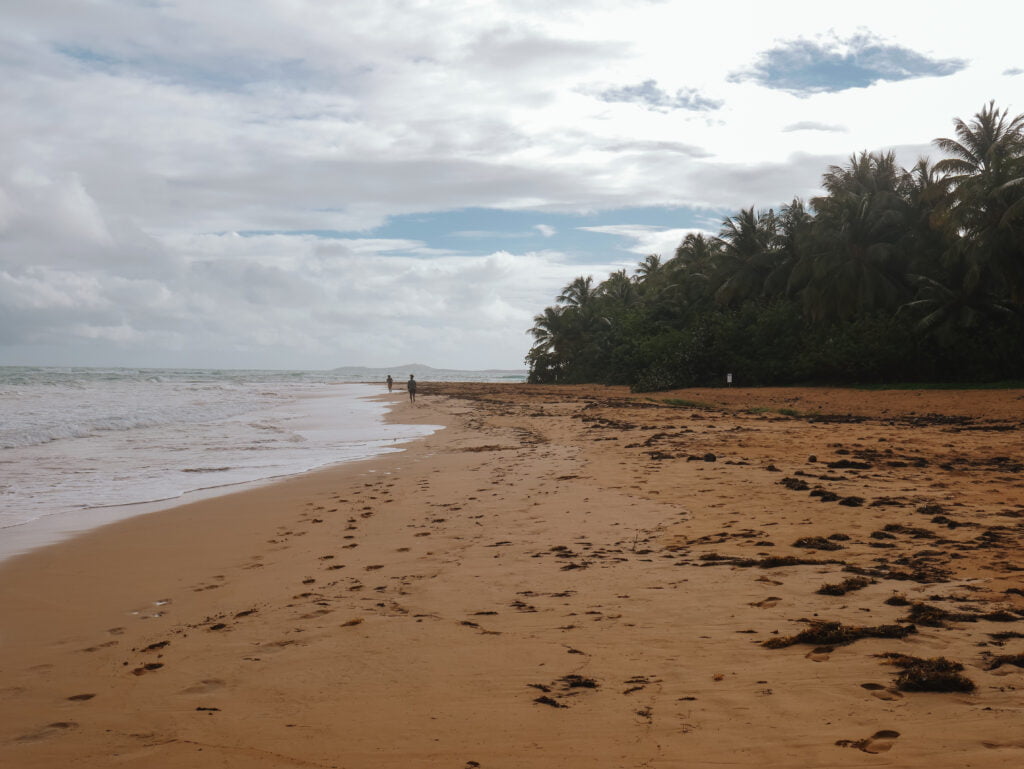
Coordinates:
(619, 288)
(856, 262)
(578, 293)
(986, 172)
(749, 253)
(958, 304)
(547, 327)
(693, 266)
(546, 357)
(696, 254)
(649, 268)
(930, 233)
(794, 224)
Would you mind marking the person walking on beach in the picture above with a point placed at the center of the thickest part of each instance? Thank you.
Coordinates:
(391, 382)
(411, 387)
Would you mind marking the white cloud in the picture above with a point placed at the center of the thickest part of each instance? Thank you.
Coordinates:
(136, 136)
(643, 240)
(812, 125)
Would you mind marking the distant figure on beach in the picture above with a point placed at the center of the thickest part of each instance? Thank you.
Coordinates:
(391, 382)
(411, 387)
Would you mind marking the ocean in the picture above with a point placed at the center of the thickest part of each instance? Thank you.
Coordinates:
(80, 447)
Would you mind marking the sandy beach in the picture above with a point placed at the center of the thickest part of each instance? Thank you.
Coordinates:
(563, 577)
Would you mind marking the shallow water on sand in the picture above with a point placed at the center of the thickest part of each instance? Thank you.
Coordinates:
(77, 445)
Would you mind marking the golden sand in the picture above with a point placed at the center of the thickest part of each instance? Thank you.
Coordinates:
(564, 577)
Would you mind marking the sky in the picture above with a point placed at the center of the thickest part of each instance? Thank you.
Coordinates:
(307, 184)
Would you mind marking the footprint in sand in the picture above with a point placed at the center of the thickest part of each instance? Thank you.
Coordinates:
(50, 730)
(97, 647)
(990, 745)
(205, 686)
(889, 695)
(882, 692)
(880, 742)
(767, 603)
(820, 654)
(315, 614)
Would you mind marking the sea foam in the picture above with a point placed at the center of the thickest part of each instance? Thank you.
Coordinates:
(75, 440)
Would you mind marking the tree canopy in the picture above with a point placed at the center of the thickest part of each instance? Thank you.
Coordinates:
(890, 275)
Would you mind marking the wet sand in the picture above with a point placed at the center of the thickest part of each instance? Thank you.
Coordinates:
(564, 577)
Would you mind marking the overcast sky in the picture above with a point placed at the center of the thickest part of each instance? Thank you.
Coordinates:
(318, 183)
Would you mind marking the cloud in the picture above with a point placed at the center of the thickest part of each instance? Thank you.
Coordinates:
(645, 239)
(648, 95)
(289, 301)
(831, 64)
(236, 183)
(652, 145)
(1013, 71)
(811, 125)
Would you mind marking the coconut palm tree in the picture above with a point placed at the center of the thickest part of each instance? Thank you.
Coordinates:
(547, 327)
(986, 171)
(619, 288)
(960, 303)
(794, 224)
(649, 268)
(856, 260)
(749, 253)
(579, 293)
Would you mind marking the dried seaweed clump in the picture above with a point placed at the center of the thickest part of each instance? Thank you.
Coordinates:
(1005, 659)
(932, 616)
(563, 687)
(936, 674)
(775, 561)
(846, 586)
(817, 543)
(767, 562)
(838, 634)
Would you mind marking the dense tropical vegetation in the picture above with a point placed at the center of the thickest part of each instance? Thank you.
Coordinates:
(892, 274)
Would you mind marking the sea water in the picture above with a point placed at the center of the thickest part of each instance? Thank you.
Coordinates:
(84, 446)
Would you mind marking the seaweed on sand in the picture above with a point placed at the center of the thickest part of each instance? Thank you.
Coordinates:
(1005, 659)
(817, 543)
(767, 562)
(933, 616)
(1005, 636)
(936, 674)
(566, 686)
(822, 633)
(846, 586)
(574, 681)
(897, 600)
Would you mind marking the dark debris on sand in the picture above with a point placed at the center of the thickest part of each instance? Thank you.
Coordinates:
(936, 674)
(822, 633)
(848, 585)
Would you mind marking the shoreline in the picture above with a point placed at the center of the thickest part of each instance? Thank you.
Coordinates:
(557, 578)
(53, 527)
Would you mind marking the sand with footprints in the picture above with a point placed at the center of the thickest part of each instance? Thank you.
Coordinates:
(563, 577)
